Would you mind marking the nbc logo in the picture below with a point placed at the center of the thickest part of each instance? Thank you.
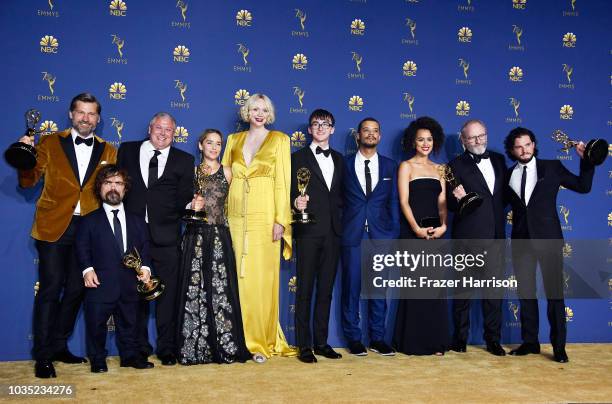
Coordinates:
(569, 314)
(464, 35)
(610, 219)
(355, 103)
(181, 54)
(357, 27)
(519, 4)
(509, 218)
(181, 135)
(241, 96)
(512, 283)
(244, 18)
(462, 108)
(118, 8)
(48, 127)
(117, 91)
(567, 250)
(293, 284)
(515, 74)
(409, 68)
(566, 112)
(49, 44)
(569, 40)
(298, 139)
(300, 61)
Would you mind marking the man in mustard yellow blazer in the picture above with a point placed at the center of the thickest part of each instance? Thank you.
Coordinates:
(69, 162)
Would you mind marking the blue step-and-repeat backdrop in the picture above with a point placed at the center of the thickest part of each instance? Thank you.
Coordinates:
(543, 64)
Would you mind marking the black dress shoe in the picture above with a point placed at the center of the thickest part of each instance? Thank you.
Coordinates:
(136, 363)
(560, 355)
(167, 360)
(381, 348)
(525, 349)
(458, 347)
(327, 351)
(357, 348)
(496, 349)
(307, 356)
(67, 357)
(99, 367)
(44, 369)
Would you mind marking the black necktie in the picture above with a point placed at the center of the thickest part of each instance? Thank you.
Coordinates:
(88, 141)
(478, 157)
(325, 152)
(523, 185)
(117, 230)
(368, 178)
(153, 169)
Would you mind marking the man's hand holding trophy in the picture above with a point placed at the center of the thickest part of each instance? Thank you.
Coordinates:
(22, 154)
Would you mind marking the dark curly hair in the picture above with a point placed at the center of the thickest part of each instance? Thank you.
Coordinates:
(515, 134)
(105, 173)
(423, 122)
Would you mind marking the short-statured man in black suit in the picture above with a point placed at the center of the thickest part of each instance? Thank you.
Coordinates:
(532, 189)
(482, 171)
(317, 245)
(162, 185)
(103, 238)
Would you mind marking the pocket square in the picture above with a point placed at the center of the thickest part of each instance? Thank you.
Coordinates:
(103, 162)
(387, 179)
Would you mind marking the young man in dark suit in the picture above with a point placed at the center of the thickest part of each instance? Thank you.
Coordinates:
(104, 237)
(482, 171)
(317, 244)
(162, 185)
(532, 189)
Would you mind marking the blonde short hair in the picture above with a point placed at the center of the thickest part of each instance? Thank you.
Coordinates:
(244, 110)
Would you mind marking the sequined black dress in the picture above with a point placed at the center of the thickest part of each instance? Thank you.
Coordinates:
(210, 322)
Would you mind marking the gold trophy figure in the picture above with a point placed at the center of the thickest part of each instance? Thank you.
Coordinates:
(202, 172)
(303, 178)
(470, 201)
(20, 155)
(150, 290)
(595, 152)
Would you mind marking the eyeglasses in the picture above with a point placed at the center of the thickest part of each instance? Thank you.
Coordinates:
(324, 125)
(115, 183)
(480, 137)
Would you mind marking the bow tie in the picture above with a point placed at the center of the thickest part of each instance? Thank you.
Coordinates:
(326, 153)
(88, 141)
(478, 157)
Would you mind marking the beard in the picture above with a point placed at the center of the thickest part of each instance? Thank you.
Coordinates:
(525, 160)
(84, 129)
(112, 198)
(477, 149)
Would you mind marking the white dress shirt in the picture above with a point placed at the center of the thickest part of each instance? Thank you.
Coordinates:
(326, 164)
(532, 178)
(146, 154)
(83, 155)
(360, 170)
(486, 168)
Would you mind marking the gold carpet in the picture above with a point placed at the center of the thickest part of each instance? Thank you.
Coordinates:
(475, 376)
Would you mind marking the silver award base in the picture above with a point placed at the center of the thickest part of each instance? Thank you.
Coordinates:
(303, 218)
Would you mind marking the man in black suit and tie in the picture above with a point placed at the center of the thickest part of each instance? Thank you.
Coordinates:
(481, 171)
(317, 245)
(532, 190)
(162, 185)
(104, 236)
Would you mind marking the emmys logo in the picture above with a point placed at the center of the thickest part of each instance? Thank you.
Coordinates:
(181, 135)
(117, 91)
(464, 35)
(241, 96)
(244, 51)
(292, 284)
(299, 93)
(411, 24)
(357, 27)
(49, 44)
(182, 89)
(47, 127)
(515, 74)
(518, 33)
(515, 105)
(566, 112)
(298, 139)
(119, 43)
(469, 8)
(48, 13)
(409, 99)
(301, 17)
(244, 18)
(569, 40)
(355, 104)
(118, 8)
(519, 4)
(567, 250)
(462, 108)
(565, 212)
(182, 6)
(118, 125)
(50, 79)
(568, 70)
(572, 12)
(358, 59)
(181, 54)
(465, 66)
(299, 62)
(513, 308)
(569, 314)
(509, 218)
(409, 69)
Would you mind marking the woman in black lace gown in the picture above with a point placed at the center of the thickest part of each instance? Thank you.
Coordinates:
(421, 326)
(210, 322)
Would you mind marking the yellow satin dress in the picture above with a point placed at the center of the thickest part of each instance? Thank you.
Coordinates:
(259, 197)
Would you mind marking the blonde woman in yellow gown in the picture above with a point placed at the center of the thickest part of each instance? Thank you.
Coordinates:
(259, 215)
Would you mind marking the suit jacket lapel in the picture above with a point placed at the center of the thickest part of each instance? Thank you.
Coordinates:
(473, 167)
(353, 174)
(312, 161)
(68, 146)
(96, 153)
(169, 163)
(541, 168)
(336, 177)
(499, 171)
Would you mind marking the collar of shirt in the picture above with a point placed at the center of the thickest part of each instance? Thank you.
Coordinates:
(313, 147)
(148, 146)
(109, 208)
(530, 165)
(360, 159)
(74, 135)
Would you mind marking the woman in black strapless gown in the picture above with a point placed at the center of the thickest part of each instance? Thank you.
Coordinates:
(421, 326)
